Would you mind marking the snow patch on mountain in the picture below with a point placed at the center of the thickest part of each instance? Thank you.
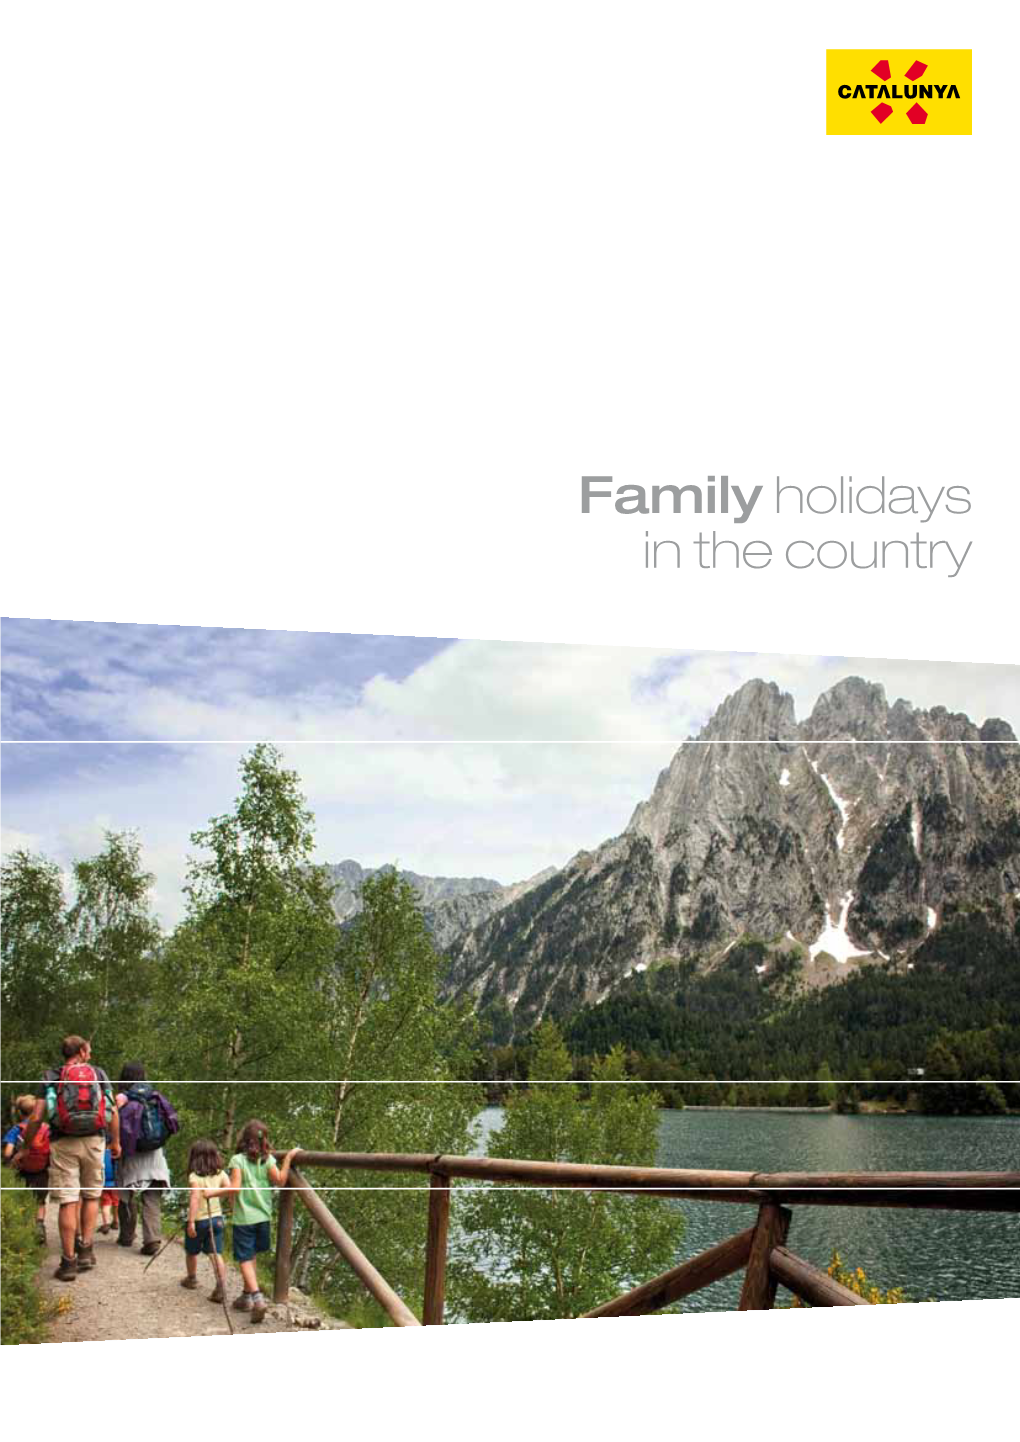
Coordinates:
(842, 806)
(835, 939)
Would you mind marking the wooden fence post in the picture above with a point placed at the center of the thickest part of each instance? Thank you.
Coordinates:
(435, 1252)
(284, 1245)
(759, 1289)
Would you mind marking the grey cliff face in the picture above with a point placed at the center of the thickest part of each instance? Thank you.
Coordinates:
(452, 905)
(822, 837)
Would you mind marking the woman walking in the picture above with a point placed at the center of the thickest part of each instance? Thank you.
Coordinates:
(147, 1120)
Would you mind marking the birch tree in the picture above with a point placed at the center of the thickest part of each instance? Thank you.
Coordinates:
(524, 1254)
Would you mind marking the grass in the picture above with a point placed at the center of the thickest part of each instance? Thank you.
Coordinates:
(24, 1314)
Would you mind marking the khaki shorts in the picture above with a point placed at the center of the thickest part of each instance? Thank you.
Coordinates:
(76, 1168)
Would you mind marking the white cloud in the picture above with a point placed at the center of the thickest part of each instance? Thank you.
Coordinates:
(493, 807)
(505, 690)
(13, 840)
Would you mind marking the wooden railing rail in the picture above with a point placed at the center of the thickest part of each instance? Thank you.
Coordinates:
(374, 1283)
(760, 1250)
(924, 1189)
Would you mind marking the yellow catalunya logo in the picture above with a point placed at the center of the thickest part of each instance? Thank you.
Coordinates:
(897, 92)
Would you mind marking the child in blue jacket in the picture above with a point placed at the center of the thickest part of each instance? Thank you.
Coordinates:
(109, 1198)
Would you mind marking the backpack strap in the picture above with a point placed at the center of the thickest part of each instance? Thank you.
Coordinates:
(169, 1115)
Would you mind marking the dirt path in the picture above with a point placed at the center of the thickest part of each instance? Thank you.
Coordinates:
(119, 1299)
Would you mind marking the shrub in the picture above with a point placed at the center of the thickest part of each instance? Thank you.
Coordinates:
(23, 1312)
(856, 1280)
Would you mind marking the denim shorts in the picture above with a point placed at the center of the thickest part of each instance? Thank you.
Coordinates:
(250, 1238)
(201, 1241)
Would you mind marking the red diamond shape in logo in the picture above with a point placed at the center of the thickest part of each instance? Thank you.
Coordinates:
(883, 111)
(916, 70)
(881, 70)
(916, 115)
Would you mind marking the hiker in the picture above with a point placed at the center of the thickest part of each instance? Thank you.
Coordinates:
(77, 1099)
(147, 1121)
(207, 1183)
(33, 1163)
(108, 1201)
(12, 1137)
(253, 1174)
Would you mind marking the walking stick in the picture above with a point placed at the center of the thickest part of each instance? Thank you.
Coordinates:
(216, 1272)
(156, 1255)
(171, 1238)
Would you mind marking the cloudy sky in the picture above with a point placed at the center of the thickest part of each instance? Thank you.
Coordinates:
(466, 758)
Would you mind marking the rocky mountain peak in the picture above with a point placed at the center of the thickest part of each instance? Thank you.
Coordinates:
(995, 729)
(853, 709)
(451, 905)
(831, 838)
(758, 711)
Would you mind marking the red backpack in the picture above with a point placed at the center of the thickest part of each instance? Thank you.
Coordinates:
(81, 1101)
(35, 1158)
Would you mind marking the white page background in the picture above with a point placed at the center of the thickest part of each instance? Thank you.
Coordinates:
(314, 317)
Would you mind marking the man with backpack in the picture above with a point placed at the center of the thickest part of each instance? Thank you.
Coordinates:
(76, 1099)
(147, 1121)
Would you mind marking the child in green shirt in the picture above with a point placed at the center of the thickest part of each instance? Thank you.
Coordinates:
(253, 1175)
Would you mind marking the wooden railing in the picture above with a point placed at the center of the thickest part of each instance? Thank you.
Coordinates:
(760, 1251)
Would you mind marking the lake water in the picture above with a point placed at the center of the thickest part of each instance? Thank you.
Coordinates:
(950, 1256)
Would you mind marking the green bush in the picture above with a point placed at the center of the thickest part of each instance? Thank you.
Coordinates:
(23, 1312)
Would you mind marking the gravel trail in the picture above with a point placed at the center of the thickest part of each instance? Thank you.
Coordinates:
(120, 1299)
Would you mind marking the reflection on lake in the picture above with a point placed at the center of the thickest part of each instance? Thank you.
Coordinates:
(951, 1256)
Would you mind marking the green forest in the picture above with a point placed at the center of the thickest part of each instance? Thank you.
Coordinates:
(952, 1018)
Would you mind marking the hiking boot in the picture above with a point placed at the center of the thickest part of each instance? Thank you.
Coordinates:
(40, 1233)
(125, 1241)
(258, 1308)
(86, 1259)
(216, 1295)
(68, 1269)
(242, 1303)
(190, 1282)
(105, 1228)
(149, 1249)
